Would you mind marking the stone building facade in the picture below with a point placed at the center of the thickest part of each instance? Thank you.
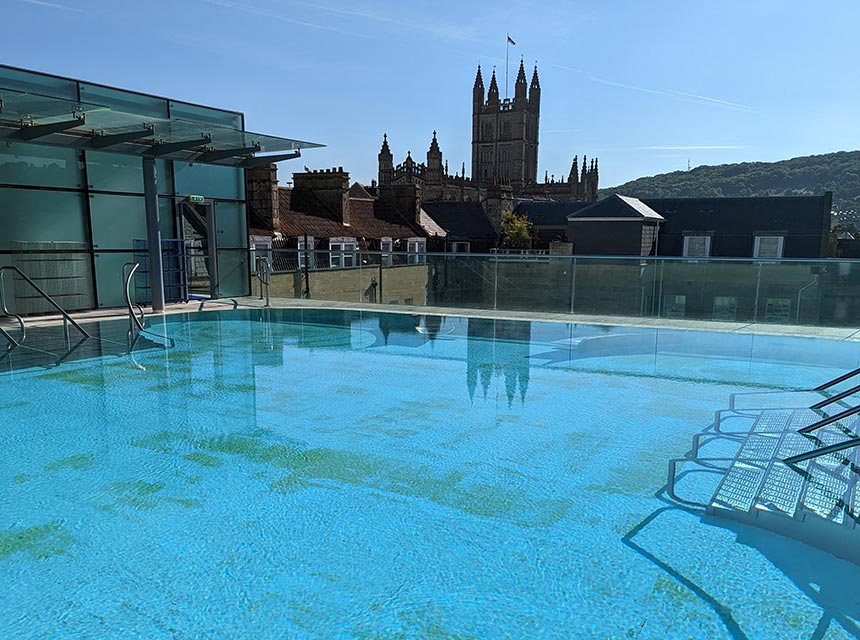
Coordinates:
(505, 138)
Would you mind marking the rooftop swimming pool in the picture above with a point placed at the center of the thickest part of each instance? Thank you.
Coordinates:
(343, 474)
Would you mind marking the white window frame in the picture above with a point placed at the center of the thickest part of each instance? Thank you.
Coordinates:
(301, 251)
(386, 246)
(342, 252)
(415, 247)
(460, 247)
(707, 239)
(780, 244)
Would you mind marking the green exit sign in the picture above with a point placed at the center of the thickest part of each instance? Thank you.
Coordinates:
(196, 199)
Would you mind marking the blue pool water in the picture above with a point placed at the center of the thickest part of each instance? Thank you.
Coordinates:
(322, 474)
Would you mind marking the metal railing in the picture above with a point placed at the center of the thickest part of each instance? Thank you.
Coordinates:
(137, 326)
(67, 319)
(263, 270)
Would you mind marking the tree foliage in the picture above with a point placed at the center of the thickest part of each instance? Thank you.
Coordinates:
(516, 231)
(807, 175)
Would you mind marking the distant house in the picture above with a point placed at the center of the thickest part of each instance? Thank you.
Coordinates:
(756, 227)
(323, 213)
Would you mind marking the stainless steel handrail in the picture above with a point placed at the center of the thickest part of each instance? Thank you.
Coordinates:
(263, 270)
(132, 317)
(133, 320)
(836, 381)
(66, 317)
(230, 301)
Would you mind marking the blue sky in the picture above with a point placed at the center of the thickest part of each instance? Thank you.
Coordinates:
(642, 85)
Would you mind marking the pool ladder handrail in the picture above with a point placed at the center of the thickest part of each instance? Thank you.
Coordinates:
(263, 269)
(128, 271)
(67, 319)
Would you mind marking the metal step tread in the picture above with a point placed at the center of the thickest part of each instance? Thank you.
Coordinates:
(739, 487)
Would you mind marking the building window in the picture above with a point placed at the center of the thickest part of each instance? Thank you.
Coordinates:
(725, 308)
(697, 246)
(415, 247)
(342, 252)
(306, 251)
(506, 129)
(768, 247)
(386, 246)
(459, 247)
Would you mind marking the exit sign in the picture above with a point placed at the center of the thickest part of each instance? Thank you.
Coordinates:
(196, 199)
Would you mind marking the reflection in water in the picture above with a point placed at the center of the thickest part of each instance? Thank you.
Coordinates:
(500, 346)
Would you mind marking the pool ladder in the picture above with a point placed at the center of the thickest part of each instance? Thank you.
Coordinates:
(137, 320)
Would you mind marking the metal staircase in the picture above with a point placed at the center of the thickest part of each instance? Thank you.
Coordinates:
(792, 470)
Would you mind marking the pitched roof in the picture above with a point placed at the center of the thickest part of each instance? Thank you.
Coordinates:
(461, 219)
(616, 206)
(549, 214)
(799, 212)
(431, 228)
(358, 190)
(368, 218)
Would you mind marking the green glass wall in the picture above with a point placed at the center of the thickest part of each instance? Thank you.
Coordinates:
(83, 210)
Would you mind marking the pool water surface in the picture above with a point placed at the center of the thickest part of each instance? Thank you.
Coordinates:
(364, 475)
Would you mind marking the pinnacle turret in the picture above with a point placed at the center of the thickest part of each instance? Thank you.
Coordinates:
(520, 86)
(385, 150)
(493, 92)
(574, 170)
(434, 145)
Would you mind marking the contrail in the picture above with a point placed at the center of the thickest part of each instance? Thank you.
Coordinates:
(671, 93)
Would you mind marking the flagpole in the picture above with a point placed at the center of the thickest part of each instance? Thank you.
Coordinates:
(507, 48)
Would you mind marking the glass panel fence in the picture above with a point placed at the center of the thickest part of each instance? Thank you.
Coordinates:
(825, 292)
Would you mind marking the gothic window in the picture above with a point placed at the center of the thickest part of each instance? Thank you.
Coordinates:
(488, 131)
(506, 129)
(487, 153)
(505, 150)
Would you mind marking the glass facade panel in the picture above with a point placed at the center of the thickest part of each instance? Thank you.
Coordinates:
(114, 172)
(167, 218)
(231, 227)
(30, 215)
(206, 115)
(124, 100)
(109, 281)
(117, 221)
(164, 175)
(209, 180)
(38, 165)
(233, 273)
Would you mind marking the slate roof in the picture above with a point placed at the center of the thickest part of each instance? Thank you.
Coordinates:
(549, 214)
(617, 206)
(806, 213)
(461, 219)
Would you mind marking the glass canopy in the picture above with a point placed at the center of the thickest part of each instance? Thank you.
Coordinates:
(70, 123)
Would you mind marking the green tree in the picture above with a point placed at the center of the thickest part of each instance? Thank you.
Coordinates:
(516, 231)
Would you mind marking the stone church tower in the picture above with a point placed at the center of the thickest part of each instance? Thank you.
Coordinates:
(504, 154)
(505, 132)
